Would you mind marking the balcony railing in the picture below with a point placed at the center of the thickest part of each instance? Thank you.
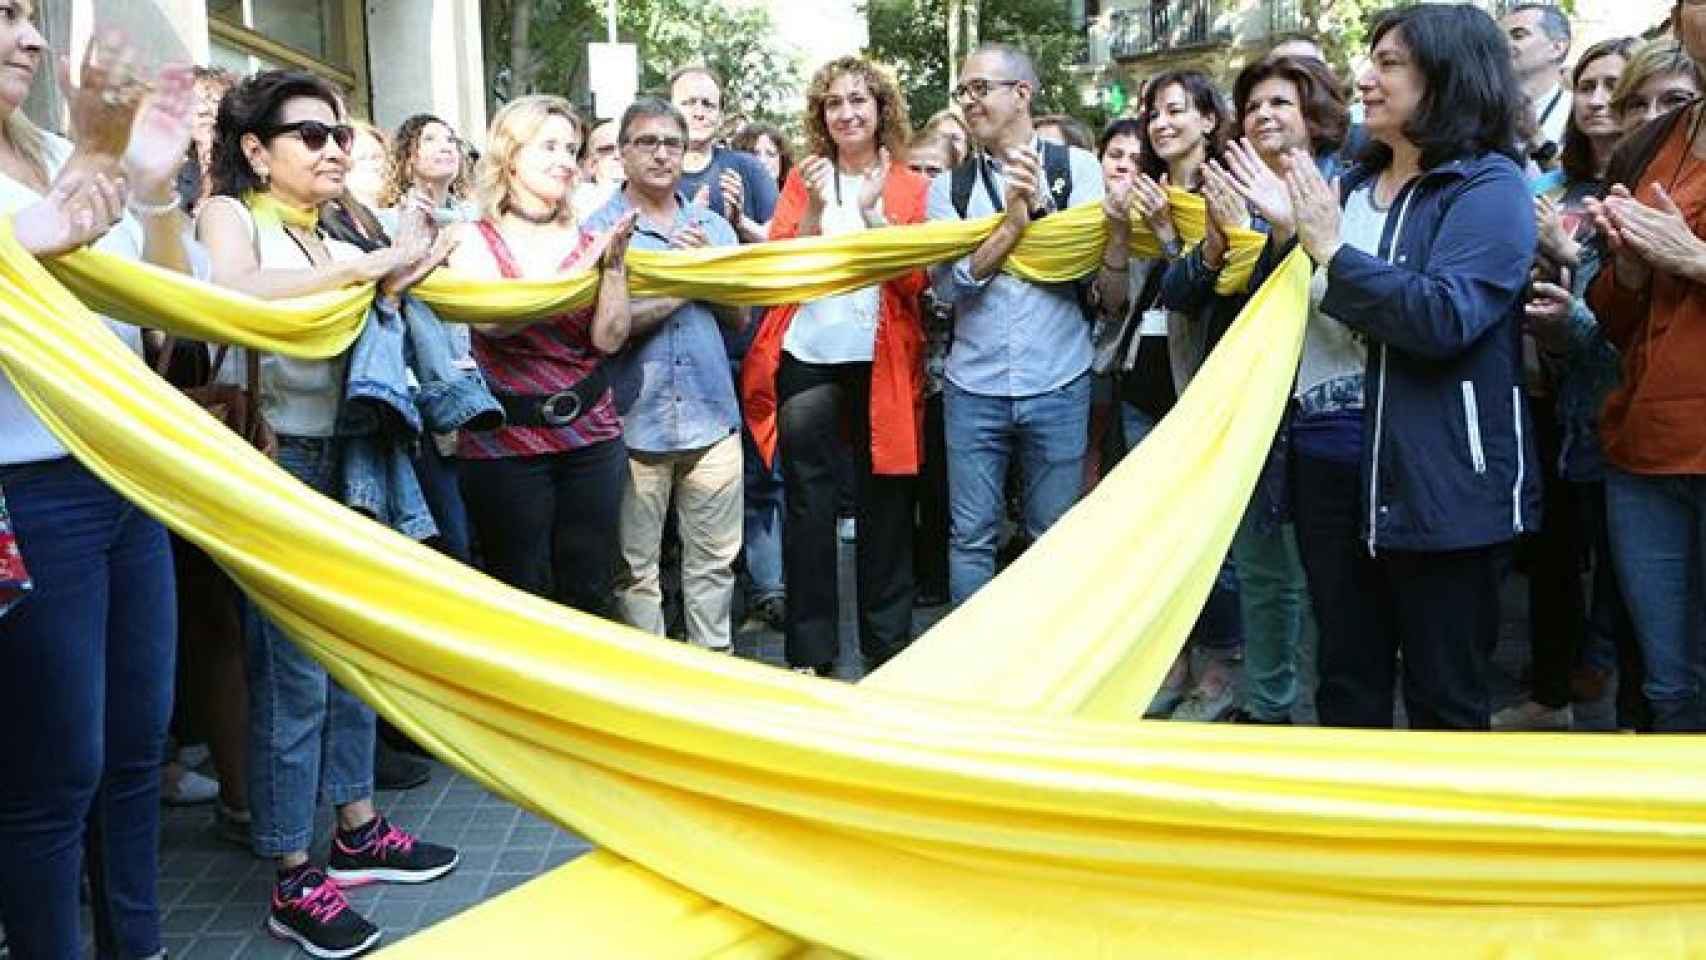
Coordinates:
(1162, 25)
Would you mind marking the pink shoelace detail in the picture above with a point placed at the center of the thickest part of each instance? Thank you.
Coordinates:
(392, 838)
(324, 902)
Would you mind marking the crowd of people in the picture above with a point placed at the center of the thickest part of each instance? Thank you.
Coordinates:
(1494, 377)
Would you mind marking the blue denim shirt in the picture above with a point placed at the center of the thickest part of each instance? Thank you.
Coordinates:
(673, 386)
(1012, 338)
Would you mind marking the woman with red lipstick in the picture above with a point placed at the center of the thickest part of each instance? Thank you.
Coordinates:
(852, 361)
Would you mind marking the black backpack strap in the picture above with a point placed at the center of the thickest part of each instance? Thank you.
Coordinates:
(1057, 171)
(961, 184)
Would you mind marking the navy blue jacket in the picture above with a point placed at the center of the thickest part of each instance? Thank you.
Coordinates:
(1449, 459)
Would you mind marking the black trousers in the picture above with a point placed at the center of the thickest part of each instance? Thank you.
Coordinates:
(825, 408)
(930, 537)
(1437, 612)
(549, 524)
(1554, 559)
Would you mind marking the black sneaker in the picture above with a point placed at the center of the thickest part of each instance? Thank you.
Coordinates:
(383, 853)
(309, 909)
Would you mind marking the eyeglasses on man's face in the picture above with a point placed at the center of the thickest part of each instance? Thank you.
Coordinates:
(978, 88)
(649, 143)
(703, 103)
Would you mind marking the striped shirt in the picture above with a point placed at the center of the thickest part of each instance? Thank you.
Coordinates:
(541, 360)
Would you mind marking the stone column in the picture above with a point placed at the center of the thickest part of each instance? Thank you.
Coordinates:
(425, 56)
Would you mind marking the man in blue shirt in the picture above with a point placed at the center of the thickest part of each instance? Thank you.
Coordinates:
(679, 414)
(1017, 374)
(732, 183)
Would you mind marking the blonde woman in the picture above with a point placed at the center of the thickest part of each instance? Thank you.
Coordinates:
(544, 492)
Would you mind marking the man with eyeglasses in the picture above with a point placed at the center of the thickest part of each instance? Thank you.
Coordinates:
(732, 183)
(1017, 374)
(680, 417)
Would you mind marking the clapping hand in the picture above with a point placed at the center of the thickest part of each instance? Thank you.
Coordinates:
(616, 243)
(1225, 208)
(734, 195)
(1315, 203)
(1658, 234)
(78, 209)
(161, 135)
(818, 174)
(103, 103)
(1024, 173)
(1548, 311)
(1257, 183)
(1156, 209)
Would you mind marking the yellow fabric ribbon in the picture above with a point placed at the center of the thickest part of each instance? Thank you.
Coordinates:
(267, 209)
(906, 820)
(1062, 247)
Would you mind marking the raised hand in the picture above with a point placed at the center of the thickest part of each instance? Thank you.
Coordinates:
(689, 237)
(78, 209)
(1257, 183)
(1156, 209)
(1117, 199)
(1315, 203)
(1024, 173)
(161, 135)
(1658, 234)
(871, 193)
(818, 174)
(616, 246)
(734, 195)
(102, 104)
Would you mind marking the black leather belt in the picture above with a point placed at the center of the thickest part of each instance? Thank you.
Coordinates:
(558, 409)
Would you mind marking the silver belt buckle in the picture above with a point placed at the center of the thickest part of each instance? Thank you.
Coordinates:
(560, 409)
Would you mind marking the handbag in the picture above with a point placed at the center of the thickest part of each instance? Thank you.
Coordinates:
(230, 404)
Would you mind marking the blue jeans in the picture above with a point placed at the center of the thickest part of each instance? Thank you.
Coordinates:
(441, 487)
(86, 667)
(1219, 630)
(1048, 433)
(763, 525)
(307, 735)
(1277, 614)
(1658, 533)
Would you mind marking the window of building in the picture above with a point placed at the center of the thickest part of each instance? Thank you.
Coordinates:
(327, 37)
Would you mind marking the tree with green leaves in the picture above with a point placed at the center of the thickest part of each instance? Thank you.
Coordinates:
(535, 46)
(912, 36)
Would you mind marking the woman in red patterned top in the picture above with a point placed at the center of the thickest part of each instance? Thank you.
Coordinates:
(544, 491)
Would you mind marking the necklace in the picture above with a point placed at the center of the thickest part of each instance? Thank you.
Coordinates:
(537, 219)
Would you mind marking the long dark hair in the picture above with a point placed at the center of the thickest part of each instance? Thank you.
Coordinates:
(1209, 102)
(1577, 155)
(253, 107)
(746, 141)
(1319, 98)
(1472, 104)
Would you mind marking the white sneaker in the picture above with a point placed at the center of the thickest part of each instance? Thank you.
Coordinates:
(848, 529)
(192, 789)
(1531, 716)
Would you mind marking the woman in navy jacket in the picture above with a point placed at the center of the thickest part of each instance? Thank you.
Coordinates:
(1426, 248)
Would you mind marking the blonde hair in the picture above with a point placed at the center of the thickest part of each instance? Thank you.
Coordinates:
(1659, 57)
(513, 127)
(30, 143)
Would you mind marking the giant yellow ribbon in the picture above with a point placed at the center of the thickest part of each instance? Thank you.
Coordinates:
(906, 821)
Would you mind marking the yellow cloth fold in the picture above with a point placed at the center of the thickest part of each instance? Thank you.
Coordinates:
(1062, 247)
(906, 822)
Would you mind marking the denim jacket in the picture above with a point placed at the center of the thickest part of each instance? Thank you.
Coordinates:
(382, 417)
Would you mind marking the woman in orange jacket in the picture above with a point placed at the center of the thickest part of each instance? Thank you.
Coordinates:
(845, 368)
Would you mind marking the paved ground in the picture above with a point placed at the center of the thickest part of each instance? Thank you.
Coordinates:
(214, 895)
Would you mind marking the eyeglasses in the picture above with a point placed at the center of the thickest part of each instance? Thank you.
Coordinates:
(930, 170)
(702, 102)
(974, 90)
(647, 143)
(314, 134)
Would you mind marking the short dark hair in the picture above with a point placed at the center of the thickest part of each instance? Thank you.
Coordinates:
(1472, 104)
(1076, 131)
(1325, 114)
(1576, 157)
(1553, 23)
(1208, 100)
(1119, 127)
(253, 106)
(646, 108)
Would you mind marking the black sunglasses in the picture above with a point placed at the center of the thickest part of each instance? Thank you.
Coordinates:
(314, 134)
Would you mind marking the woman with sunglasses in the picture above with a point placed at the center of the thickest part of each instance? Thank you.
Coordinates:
(87, 649)
(281, 151)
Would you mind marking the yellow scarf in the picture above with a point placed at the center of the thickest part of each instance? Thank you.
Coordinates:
(270, 210)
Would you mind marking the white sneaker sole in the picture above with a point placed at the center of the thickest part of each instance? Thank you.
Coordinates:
(356, 878)
(281, 932)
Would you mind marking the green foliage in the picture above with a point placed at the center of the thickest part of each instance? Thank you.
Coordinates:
(912, 37)
(735, 41)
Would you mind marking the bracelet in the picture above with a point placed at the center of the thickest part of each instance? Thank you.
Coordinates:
(150, 211)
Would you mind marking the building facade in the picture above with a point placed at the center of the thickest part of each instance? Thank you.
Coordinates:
(391, 58)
